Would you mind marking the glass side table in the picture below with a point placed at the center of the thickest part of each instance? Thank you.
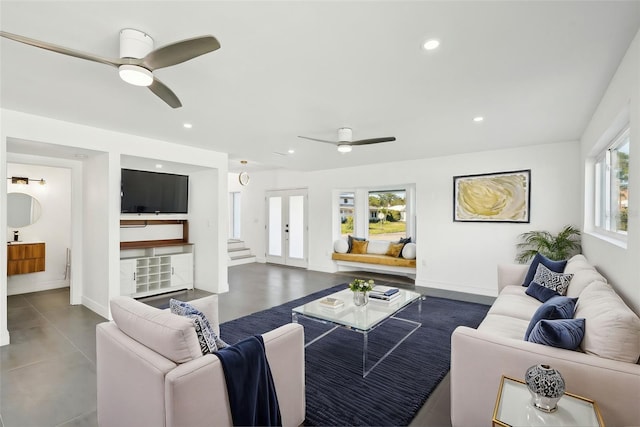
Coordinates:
(514, 408)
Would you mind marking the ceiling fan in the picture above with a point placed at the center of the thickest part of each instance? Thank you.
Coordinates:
(345, 140)
(138, 60)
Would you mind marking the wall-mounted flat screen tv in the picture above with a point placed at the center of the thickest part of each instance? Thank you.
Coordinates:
(153, 192)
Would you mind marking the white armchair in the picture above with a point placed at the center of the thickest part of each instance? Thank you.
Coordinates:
(150, 370)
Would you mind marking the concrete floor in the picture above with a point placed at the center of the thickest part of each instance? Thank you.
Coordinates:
(48, 375)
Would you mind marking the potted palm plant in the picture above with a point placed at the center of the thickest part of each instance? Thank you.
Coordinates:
(561, 246)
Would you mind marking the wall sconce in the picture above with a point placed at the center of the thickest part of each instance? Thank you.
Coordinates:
(24, 180)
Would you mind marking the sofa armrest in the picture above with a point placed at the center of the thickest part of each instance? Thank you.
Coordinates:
(479, 359)
(511, 274)
(196, 391)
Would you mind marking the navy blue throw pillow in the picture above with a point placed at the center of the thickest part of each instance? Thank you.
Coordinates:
(555, 266)
(561, 333)
(555, 308)
(541, 293)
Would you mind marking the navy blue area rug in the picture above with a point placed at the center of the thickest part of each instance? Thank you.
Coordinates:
(396, 389)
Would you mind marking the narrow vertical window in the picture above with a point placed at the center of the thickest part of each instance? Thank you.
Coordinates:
(612, 185)
(347, 210)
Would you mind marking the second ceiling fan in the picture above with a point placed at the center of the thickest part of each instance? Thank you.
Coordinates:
(345, 140)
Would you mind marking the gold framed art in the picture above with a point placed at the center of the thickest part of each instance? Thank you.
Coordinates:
(492, 197)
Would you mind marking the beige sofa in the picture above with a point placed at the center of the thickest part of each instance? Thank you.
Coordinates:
(605, 369)
(151, 372)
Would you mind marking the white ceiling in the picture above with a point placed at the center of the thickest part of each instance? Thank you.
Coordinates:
(535, 70)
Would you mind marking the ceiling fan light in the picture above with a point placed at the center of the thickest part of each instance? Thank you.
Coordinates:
(135, 75)
(344, 148)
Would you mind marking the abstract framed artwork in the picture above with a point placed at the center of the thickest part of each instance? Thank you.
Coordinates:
(492, 197)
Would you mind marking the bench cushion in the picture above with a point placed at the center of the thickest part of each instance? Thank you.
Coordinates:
(375, 259)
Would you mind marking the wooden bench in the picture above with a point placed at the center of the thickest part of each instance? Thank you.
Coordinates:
(379, 263)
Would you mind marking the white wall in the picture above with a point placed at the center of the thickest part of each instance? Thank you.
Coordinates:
(53, 227)
(96, 279)
(619, 105)
(208, 228)
(96, 234)
(451, 255)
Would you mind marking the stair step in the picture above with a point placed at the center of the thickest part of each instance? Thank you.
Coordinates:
(243, 256)
(234, 244)
(239, 253)
(237, 249)
(241, 260)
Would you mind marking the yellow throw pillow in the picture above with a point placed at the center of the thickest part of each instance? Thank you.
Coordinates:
(395, 249)
(359, 247)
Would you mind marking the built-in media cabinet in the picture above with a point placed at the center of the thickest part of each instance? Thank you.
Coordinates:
(151, 267)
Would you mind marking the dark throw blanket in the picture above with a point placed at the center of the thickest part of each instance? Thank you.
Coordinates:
(252, 393)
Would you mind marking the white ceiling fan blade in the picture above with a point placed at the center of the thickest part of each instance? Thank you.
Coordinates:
(63, 50)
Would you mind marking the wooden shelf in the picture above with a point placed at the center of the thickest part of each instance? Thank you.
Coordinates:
(144, 244)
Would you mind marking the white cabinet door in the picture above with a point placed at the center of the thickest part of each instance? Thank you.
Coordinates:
(182, 270)
(127, 277)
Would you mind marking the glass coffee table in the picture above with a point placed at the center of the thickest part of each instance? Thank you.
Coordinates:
(362, 319)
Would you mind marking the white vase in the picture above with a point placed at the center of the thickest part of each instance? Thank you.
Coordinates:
(360, 298)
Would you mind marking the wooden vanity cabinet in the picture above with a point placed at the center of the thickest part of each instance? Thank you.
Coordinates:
(25, 258)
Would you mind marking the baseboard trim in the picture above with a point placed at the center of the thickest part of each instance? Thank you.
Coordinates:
(97, 308)
(26, 288)
(454, 287)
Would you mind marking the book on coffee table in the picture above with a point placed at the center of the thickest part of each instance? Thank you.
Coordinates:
(384, 293)
(382, 297)
(331, 302)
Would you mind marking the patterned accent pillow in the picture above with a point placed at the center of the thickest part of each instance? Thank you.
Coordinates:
(209, 340)
(557, 266)
(558, 282)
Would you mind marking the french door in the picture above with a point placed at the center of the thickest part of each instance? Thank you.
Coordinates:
(287, 227)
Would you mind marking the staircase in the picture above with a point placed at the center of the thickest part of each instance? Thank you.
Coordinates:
(238, 254)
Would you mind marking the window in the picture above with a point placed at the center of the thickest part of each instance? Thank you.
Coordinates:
(234, 215)
(347, 210)
(387, 215)
(611, 186)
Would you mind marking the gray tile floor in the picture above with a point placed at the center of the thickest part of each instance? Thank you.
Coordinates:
(47, 373)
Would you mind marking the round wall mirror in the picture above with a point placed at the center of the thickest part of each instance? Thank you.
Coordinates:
(22, 210)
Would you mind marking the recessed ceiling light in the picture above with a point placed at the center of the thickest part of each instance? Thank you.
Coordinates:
(291, 151)
(478, 119)
(187, 125)
(431, 44)
(158, 166)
